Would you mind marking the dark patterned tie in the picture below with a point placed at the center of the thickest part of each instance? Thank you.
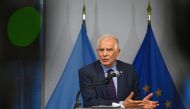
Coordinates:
(111, 88)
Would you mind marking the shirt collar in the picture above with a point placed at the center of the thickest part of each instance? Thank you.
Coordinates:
(106, 68)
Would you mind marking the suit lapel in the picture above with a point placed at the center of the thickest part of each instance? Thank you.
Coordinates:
(101, 76)
(119, 79)
(99, 71)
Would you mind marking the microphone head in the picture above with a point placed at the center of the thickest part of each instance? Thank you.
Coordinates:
(111, 75)
(115, 73)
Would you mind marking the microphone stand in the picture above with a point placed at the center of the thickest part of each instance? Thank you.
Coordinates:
(77, 103)
(102, 82)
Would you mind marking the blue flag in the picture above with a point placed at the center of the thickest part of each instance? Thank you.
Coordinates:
(186, 91)
(153, 74)
(65, 92)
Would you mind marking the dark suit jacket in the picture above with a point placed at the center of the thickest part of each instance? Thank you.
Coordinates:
(97, 94)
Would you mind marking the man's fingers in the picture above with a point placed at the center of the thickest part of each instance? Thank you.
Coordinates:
(151, 104)
(148, 96)
(145, 103)
(155, 103)
(137, 102)
(131, 95)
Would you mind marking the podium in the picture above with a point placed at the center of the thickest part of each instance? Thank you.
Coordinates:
(107, 108)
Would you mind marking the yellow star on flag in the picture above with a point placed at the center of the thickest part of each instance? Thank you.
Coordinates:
(146, 88)
(158, 92)
(168, 104)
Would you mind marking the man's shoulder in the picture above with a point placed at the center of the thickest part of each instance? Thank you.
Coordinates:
(91, 68)
(125, 66)
(91, 65)
(124, 63)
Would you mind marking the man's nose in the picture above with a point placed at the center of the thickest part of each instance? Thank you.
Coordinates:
(105, 53)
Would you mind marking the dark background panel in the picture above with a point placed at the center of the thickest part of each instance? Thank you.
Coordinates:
(8, 50)
(181, 18)
(21, 68)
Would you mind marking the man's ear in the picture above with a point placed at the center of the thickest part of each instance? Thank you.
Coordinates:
(118, 52)
(97, 50)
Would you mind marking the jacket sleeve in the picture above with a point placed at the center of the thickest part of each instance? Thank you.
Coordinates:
(135, 85)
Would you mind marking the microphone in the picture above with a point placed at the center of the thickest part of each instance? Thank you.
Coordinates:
(111, 75)
(102, 82)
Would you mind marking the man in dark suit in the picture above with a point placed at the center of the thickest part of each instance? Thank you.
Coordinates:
(122, 90)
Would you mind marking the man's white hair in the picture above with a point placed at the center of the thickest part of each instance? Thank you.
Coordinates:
(108, 35)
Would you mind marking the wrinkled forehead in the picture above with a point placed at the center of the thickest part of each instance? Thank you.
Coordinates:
(107, 43)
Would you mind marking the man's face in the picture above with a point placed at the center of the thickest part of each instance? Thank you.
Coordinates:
(107, 52)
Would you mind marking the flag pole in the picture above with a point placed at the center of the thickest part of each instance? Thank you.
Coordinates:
(149, 11)
(84, 11)
(77, 102)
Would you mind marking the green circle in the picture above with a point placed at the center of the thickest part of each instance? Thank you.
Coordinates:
(24, 26)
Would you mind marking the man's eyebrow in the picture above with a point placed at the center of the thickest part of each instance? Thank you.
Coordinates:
(105, 48)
